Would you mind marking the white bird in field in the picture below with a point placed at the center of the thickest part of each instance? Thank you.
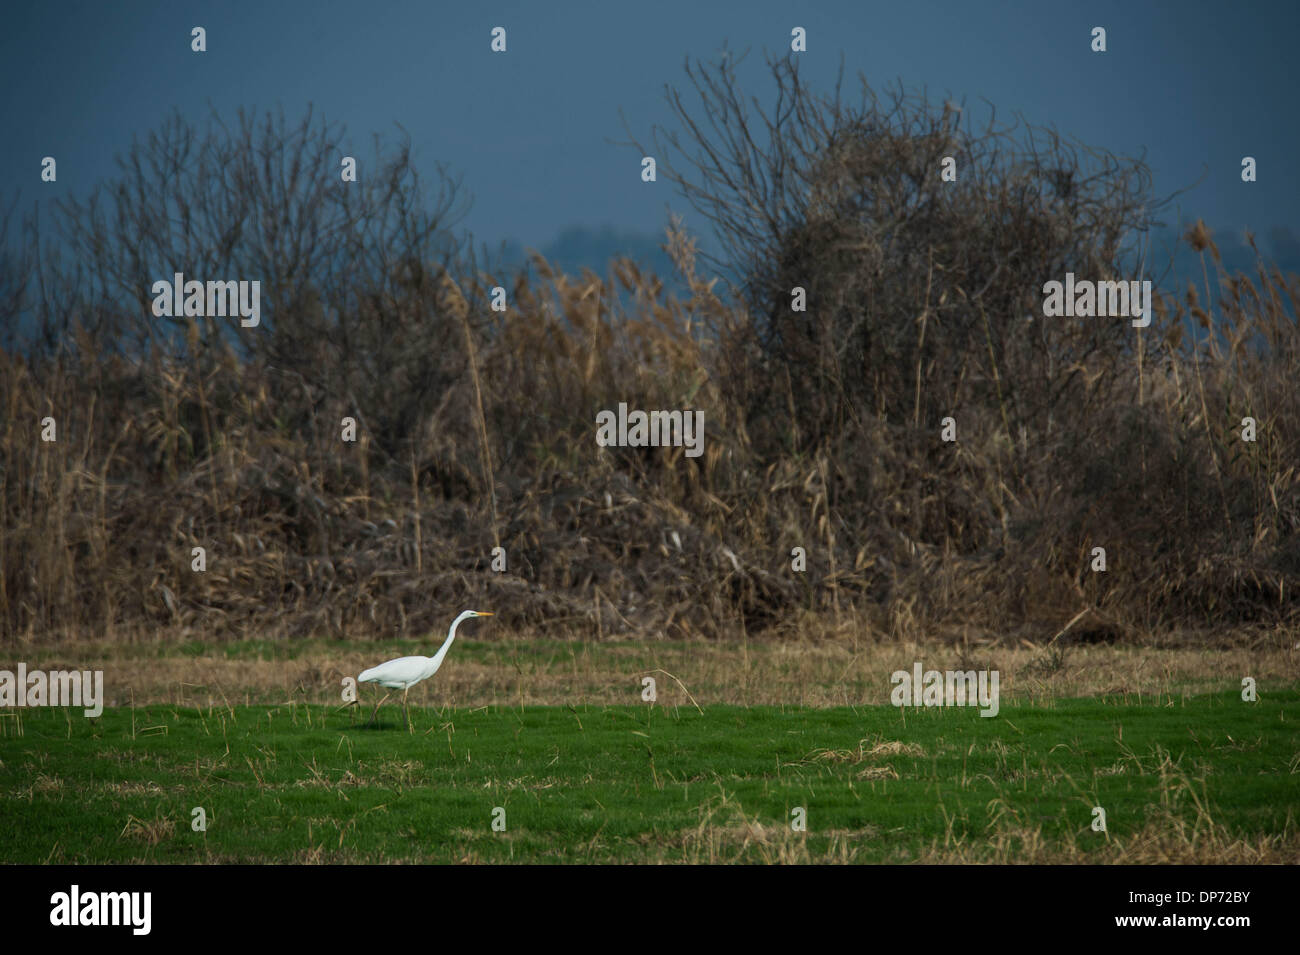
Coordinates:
(404, 672)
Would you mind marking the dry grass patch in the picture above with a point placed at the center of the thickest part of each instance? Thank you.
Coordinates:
(878, 772)
(726, 833)
(133, 789)
(148, 831)
(840, 672)
(867, 749)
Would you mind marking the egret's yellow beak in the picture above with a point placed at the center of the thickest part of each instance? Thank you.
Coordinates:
(481, 613)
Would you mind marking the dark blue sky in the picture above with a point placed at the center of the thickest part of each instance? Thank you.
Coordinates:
(1198, 85)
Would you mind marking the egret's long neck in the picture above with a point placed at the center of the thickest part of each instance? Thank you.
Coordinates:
(442, 651)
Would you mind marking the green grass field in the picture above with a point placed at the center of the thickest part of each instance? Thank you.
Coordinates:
(1195, 778)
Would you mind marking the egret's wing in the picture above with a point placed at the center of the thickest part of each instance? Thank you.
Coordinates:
(401, 670)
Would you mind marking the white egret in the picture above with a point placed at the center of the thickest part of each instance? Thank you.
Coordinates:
(404, 672)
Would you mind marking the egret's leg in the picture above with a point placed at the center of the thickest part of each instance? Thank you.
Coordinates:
(377, 706)
(405, 710)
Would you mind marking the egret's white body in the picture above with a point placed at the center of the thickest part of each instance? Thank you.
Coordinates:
(404, 672)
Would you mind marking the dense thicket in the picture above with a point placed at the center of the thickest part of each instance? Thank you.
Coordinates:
(476, 428)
